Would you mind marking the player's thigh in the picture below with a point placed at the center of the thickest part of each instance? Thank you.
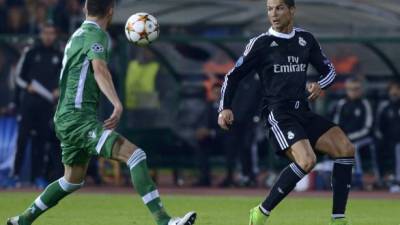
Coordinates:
(284, 130)
(123, 149)
(316, 126)
(90, 137)
(73, 155)
(75, 174)
(302, 153)
(335, 143)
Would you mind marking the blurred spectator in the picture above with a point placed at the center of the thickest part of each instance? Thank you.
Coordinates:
(67, 15)
(354, 115)
(6, 84)
(388, 130)
(241, 135)
(3, 16)
(39, 17)
(74, 14)
(37, 76)
(346, 64)
(140, 81)
(16, 23)
(15, 2)
(210, 137)
(215, 70)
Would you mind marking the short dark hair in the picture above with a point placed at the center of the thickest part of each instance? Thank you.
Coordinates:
(395, 82)
(354, 79)
(98, 8)
(48, 24)
(290, 3)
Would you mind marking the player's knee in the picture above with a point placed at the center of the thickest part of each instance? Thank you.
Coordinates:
(123, 150)
(68, 186)
(136, 157)
(308, 163)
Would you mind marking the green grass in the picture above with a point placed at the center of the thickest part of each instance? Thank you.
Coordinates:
(120, 209)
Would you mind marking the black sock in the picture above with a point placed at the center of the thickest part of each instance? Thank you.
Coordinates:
(283, 186)
(341, 184)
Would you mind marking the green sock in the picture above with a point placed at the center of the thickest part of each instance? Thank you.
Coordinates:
(146, 188)
(53, 193)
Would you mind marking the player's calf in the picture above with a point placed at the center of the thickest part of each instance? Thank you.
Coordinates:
(53, 193)
(135, 159)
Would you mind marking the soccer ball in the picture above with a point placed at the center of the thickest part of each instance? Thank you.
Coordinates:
(142, 29)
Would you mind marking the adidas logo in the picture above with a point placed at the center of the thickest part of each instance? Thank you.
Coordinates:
(273, 44)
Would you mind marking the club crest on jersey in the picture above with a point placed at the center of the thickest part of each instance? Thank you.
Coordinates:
(357, 112)
(97, 47)
(55, 60)
(290, 135)
(302, 42)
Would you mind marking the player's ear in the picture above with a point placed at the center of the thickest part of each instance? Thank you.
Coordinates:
(292, 10)
(110, 11)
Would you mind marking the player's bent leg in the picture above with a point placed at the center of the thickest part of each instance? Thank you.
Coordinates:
(135, 158)
(304, 159)
(336, 144)
(303, 155)
(54, 192)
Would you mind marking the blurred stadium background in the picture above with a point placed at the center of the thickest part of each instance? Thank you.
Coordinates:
(168, 88)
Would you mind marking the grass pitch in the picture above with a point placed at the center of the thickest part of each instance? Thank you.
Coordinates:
(121, 209)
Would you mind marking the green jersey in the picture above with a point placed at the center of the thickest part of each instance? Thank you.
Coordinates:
(76, 125)
(79, 92)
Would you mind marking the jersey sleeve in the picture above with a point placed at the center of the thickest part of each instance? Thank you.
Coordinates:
(244, 66)
(322, 64)
(23, 67)
(381, 119)
(97, 46)
(365, 130)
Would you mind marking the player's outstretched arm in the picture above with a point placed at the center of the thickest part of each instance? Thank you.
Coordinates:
(104, 80)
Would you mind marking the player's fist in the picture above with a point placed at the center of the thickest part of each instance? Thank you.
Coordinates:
(315, 91)
(225, 119)
(112, 122)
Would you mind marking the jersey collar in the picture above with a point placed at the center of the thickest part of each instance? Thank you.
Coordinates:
(281, 35)
(92, 22)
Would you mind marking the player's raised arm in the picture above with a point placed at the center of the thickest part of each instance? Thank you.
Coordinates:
(322, 64)
(104, 80)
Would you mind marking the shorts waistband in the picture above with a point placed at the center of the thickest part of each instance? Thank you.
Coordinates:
(290, 105)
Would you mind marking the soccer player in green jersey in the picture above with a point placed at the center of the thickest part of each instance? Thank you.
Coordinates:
(83, 76)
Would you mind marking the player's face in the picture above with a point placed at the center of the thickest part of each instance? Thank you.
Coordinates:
(48, 35)
(394, 92)
(280, 15)
(354, 90)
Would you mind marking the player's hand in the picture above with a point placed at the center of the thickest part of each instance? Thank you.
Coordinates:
(315, 91)
(112, 122)
(30, 89)
(225, 119)
(56, 93)
(202, 133)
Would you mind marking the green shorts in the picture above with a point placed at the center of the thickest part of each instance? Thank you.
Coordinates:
(82, 137)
